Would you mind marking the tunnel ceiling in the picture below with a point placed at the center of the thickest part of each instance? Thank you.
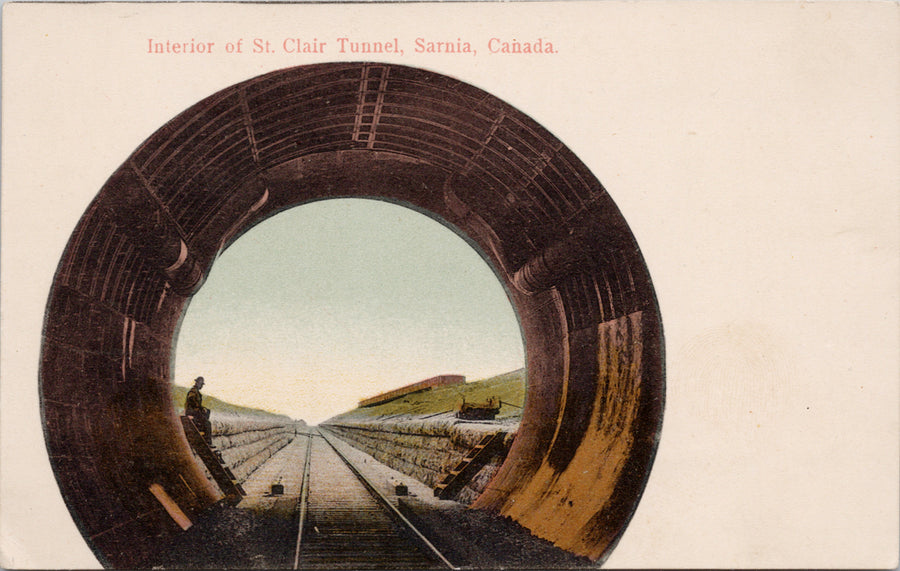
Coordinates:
(548, 227)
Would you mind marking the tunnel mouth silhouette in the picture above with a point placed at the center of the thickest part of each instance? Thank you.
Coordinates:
(589, 316)
(376, 294)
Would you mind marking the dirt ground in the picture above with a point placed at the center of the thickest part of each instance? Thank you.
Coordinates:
(261, 531)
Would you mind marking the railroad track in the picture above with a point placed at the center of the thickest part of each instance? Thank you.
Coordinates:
(346, 523)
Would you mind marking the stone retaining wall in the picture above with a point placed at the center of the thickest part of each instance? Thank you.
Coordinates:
(426, 449)
(247, 442)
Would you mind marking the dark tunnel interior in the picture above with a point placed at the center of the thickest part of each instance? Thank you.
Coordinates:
(576, 277)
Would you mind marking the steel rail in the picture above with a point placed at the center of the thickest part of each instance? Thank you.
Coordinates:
(304, 497)
(389, 506)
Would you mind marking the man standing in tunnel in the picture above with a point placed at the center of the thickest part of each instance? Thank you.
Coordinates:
(193, 407)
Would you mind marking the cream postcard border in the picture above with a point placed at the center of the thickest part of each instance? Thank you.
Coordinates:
(753, 147)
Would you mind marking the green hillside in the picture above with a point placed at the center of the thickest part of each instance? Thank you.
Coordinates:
(215, 405)
(508, 387)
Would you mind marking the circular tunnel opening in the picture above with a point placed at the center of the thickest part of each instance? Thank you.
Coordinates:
(574, 273)
(330, 302)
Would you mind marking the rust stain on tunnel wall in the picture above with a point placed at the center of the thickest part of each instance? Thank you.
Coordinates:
(554, 237)
(578, 489)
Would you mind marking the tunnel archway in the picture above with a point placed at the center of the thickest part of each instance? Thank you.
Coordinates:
(376, 295)
(592, 329)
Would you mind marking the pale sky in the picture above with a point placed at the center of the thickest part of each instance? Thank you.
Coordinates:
(337, 300)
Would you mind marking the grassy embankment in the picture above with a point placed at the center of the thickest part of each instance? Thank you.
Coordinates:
(508, 387)
(219, 406)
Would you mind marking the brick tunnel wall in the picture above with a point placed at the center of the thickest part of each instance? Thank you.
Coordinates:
(594, 457)
(426, 449)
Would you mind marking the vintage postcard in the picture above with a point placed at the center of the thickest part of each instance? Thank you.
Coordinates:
(450, 285)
